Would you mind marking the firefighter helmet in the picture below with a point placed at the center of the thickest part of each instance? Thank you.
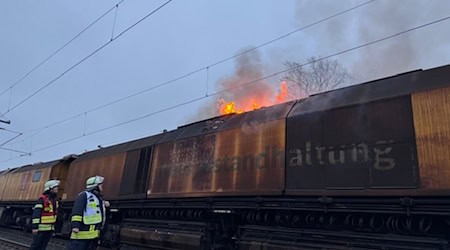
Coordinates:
(51, 184)
(94, 181)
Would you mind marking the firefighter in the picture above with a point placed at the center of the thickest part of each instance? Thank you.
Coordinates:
(88, 215)
(44, 215)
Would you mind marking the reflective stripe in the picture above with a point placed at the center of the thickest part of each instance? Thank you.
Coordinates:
(38, 206)
(77, 218)
(48, 219)
(45, 227)
(36, 221)
(92, 219)
(84, 235)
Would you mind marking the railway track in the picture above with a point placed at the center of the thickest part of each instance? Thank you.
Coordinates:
(259, 237)
(16, 239)
(6, 243)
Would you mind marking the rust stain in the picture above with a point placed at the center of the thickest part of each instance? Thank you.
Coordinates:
(242, 160)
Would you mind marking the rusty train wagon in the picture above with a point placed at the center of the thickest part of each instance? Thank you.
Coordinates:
(371, 158)
(376, 157)
(228, 157)
(3, 180)
(22, 186)
(125, 168)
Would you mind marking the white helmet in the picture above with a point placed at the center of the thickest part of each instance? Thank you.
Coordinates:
(51, 184)
(94, 181)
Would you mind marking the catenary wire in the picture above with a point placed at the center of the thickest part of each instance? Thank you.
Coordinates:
(84, 59)
(250, 82)
(61, 48)
(201, 69)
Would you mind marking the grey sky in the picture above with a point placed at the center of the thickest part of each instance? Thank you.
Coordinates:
(181, 37)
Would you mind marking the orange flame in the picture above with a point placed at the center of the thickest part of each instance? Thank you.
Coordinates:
(252, 102)
(226, 108)
(281, 97)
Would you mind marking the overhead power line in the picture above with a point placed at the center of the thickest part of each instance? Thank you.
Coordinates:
(11, 139)
(17, 135)
(85, 58)
(61, 48)
(250, 82)
(17, 151)
(200, 69)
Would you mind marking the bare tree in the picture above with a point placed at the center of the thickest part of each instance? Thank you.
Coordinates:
(313, 77)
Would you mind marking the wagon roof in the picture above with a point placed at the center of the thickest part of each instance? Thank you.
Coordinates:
(385, 88)
(120, 148)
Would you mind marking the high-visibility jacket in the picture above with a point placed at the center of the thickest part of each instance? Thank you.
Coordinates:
(45, 213)
(87, 215)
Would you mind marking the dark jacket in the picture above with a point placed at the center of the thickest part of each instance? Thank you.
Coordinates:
(78, 212)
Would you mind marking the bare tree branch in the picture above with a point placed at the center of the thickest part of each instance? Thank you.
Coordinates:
(317, 76)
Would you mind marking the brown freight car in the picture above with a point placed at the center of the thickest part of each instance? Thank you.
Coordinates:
(363, 138)
(363, 158)
(124, 166)
(22, 186)
(3, 179)
(26, 183)
(229, 155)
(225, 156)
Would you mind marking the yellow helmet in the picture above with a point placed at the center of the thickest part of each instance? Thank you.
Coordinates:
(94, 181)
(51, 184)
